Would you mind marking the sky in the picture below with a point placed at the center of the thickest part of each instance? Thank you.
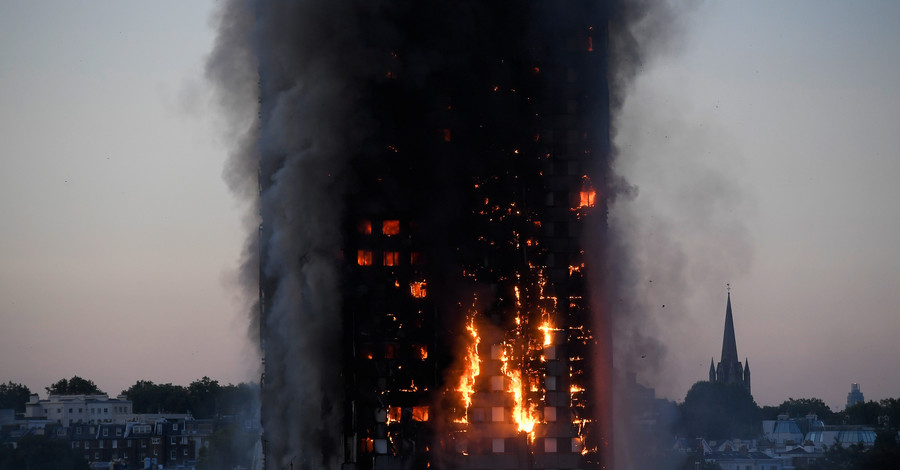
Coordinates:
(762, 139)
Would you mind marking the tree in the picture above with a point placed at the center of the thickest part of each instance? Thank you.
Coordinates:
(15, 396)
(203, 395)
(800, 407)
(866, 413)
(147, 397)
(716, 410)
(74, 386)
(242, 398)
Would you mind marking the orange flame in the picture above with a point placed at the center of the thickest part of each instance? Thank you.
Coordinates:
(524, 414)
(473, 369)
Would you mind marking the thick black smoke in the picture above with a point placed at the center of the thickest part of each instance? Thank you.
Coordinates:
(293, 79)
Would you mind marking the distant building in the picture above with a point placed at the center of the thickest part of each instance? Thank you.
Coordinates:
(783, 431)
(72, 409)
(729, 369)
(855, 396)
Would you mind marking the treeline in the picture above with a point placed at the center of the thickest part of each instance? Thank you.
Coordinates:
(203, 398)
(723, 411)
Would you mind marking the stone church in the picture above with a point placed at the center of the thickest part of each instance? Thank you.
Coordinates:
(729, 369)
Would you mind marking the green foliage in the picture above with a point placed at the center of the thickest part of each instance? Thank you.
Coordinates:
(40, 453)
(74, 386)
(229, 447)
(800, 407)
(203, 398)
(147, 397)
(203, 395)
(866, 413)
(715, 410)
(13, 395)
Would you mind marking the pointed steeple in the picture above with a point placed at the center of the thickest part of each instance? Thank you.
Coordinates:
(729, 345)
(712, 370)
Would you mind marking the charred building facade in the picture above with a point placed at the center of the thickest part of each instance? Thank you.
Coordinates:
(462, 332)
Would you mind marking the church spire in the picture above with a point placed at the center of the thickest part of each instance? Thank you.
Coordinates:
(729, 345)
(712, 370)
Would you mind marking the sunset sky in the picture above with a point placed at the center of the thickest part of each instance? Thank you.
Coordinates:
(763, 139)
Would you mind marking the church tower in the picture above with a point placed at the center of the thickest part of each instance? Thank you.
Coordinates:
(730, 369)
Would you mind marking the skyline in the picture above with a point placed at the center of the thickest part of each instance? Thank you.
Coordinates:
(760, 139)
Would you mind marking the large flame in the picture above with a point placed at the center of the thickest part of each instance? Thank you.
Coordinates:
(473, 368)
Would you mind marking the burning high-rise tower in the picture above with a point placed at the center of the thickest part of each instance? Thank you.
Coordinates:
(433, 186)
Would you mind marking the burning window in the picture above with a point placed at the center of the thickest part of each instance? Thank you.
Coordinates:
(420, 413)
(588, 195)
(416, 258)
(590, 44)
(587, 198)
(390, 227)
(417, 288)
(364, 257)
(421, 351)
(367, 445)
(394, 414)
(365, 227)
(391, 258)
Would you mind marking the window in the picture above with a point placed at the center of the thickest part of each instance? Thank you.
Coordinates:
(106, 410)
(155, 440)
(185, 452)
(365, 227)
(497, 383)
(87, 444)
(497, 414)
(550, 445)
(173, 455)
(70, 410)
(498, 446)
(144, 443)
(416, 258)
(100, 444)
(74, 444)
(390, 351)
(420, 413)
(550, 413)
(417, 288)
(391, 258)
(105, 432)
(174, 426)
(173, 440)
(115, 444)
(390, 227)
(96, 455)
(119, 432)
(364, 257)
(78, 430)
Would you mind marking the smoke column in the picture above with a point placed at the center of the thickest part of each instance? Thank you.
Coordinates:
(292, 79)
